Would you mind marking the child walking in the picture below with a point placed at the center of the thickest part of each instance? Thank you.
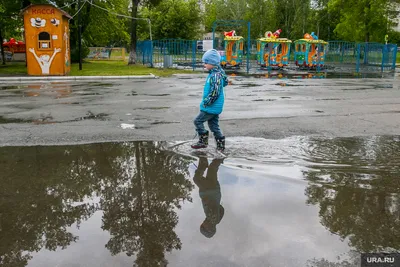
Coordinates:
(212, 102)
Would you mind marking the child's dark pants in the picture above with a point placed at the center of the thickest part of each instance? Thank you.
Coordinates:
(213, 124)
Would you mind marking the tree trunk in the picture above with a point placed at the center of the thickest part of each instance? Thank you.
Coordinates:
(367, 18)
(86, 21)
(2, 49)
(132, 54)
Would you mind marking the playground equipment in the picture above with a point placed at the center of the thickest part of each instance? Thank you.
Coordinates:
(14, 46)
(273, 51)
(310, 51)
(233, 53)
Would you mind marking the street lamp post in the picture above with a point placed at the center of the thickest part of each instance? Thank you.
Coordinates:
(79, 35)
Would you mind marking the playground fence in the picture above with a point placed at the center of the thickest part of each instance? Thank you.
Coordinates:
(340, 55)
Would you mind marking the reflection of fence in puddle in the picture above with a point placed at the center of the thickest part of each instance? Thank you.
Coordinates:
(283, 75)
(295, 75)
(313, 75)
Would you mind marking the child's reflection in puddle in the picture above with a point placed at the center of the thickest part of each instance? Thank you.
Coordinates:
(210, 194)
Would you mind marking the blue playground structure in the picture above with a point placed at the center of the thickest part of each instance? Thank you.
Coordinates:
(232, 55)
(309, 52)
(272, 51)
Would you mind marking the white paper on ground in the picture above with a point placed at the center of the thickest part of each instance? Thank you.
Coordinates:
(127, 126)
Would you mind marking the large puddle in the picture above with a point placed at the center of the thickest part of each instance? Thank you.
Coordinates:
(292, 202)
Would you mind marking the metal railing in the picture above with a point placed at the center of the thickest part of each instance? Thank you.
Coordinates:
(186, 54)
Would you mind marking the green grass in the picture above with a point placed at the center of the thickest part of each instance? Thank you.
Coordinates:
(398, 57)
(119, 68)
(15, 68)
(98, 68)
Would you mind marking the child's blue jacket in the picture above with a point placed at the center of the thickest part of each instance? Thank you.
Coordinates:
(213, 94)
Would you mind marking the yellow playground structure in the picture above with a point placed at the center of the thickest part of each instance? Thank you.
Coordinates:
(233, 54)
(273, 51)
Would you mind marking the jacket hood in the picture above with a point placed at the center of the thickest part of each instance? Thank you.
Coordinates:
(223, 74)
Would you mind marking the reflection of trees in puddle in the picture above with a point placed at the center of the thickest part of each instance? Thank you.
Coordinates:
(139, 188)
(355, 182)
(139, 203)
(352, 260)
(38, 188)
(45, 190)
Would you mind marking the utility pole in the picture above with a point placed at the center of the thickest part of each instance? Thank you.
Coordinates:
(79, 35)
(2, 48)
(329, 26)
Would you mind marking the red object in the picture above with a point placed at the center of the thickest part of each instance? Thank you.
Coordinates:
(231, 33)
(14, 46)
(308, 36)
(277, 33)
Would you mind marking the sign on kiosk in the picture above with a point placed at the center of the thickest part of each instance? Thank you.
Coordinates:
(43, 11)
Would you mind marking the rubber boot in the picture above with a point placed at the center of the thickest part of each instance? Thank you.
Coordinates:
(202, 143)
(220, 143)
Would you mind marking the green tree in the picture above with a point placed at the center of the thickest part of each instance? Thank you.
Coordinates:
(108, 29)
(365, 20)
(134, 25)
(210, 14)
(176, 19)
(234, 9)
(229, 10)
(323, 21)
(292, 17)
(394, 37)
(262, 16)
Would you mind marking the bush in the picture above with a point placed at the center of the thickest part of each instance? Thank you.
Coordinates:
(394, 37)
(75, 53)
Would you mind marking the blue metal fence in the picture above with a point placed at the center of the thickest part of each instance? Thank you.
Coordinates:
(169, 53)
(341, 52)
(340, 55)
(362, 56)
(144, 52)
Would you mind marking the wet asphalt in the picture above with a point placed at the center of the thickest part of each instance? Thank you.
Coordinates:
(95, 173)
(41, 113)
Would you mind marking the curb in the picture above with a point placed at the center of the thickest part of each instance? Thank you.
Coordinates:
(75, 78)
(189, 75)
